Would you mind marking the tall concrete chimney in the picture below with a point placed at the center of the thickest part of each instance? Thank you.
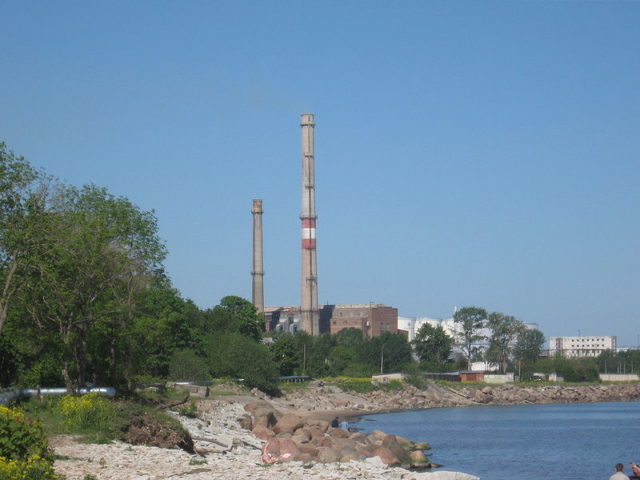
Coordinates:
(309, 284)
(257, 273)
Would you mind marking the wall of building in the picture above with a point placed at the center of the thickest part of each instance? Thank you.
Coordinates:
(619, 377)
(583, 346)
(371, 319)
(499, 379)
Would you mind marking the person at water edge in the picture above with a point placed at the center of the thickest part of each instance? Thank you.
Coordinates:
(635, 469)
(335, 422)
(619, 475)
(344, 425)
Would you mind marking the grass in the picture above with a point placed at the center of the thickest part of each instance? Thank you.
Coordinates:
(291, 387)
(96, 420)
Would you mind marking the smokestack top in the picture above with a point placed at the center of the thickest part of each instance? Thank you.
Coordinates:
(307, 119)
(257, 206)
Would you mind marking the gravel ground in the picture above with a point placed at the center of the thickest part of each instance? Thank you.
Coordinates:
(226, 451)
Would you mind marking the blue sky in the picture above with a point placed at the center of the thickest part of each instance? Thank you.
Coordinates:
(467, 153)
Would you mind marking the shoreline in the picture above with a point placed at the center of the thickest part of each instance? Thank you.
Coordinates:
(223, 445)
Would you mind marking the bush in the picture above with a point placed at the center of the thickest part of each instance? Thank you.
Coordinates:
(88, 412)
(24, 451)
(364, 385)
(21, 438)
(232, 355)
(187, 365)
(34, 468)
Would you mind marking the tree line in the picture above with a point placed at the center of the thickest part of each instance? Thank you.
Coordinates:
(84, 300)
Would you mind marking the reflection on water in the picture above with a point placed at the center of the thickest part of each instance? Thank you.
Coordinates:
(525, 442)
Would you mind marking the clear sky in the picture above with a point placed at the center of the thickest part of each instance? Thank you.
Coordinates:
(467, 153)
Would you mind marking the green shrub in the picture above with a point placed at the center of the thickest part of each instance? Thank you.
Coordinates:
(189, 410)
(34, 468)
(87, 412)
(21, 438)
(187, 365)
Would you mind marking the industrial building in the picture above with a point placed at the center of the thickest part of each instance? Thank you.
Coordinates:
(571, 347)
(372, 318)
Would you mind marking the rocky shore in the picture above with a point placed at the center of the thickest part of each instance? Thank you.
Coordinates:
(226, 447)
(329, 398)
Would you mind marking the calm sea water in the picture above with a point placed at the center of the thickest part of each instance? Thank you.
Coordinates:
(524, 442)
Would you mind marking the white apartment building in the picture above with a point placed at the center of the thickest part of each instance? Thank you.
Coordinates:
(582, 346)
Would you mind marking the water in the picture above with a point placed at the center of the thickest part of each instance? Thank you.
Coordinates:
(524, 442)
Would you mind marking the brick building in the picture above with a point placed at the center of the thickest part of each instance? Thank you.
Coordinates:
(373, 319)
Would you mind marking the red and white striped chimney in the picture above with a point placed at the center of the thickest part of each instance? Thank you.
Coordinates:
(309, 282)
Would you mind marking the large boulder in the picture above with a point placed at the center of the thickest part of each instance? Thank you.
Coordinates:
(288, 449)
(263, 413)
(327, 455)
(418, 459)
(262, 432)
(394, 447)
(386, 455)
(339, 433)
(288, 423)
(319, 424)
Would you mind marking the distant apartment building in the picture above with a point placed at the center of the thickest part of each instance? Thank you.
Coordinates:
(372, 318)
(571, 347)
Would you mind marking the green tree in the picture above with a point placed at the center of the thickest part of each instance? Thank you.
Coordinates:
(350, 338)
(504, 331)
(341, 358)
(187, 365)
(528, 345)
(318, 350)
(432, 345)
(164, 323)
(23, 195)
(469, 320)
(286, 353)
(390, 352)
(98, 252)
(235, 314)
(231, 354)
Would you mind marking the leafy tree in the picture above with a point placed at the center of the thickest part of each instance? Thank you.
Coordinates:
(235, 314)
(318, 349)
(584, 369)
(286, 353)
(350, 337)
(23, 195)
(98, 252)
(619, 362)
(390, 352)
(187, 365)
(432, 345)
(237, 356)
(164, 323)
(341, 357)
(528, 345)
(504, 330)
(469, 321)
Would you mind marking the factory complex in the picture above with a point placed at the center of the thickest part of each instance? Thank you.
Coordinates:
(372, 319)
